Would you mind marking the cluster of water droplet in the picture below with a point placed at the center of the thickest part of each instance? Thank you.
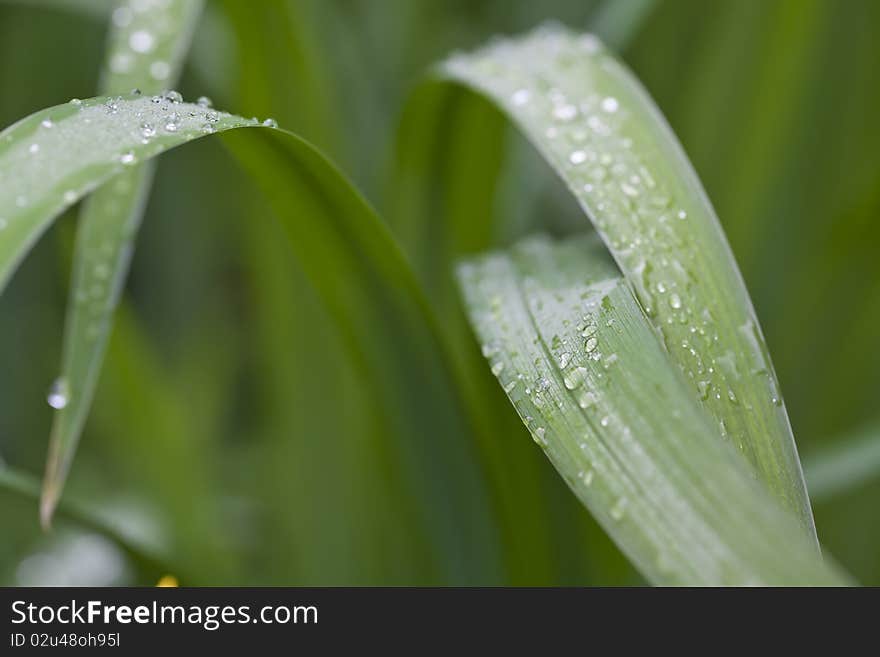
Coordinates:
(568, 384)
(142, 40)
(565, 91)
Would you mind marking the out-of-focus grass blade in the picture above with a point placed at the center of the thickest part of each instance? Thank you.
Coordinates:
(592, 121)
(27, 486)
(573, 350)
(146, 48)
(618, 21)
(844, 465)
(53, 157)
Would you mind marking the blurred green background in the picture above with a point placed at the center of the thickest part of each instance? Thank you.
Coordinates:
(230, 434)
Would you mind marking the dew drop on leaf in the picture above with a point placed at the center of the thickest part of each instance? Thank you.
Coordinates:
(58, 395)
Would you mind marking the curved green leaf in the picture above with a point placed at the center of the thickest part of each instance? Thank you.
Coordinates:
(367, 286)
(575, 353)
(596, 126)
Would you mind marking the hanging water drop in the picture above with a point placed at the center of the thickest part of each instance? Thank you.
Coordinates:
(270, 123)
(59, 395)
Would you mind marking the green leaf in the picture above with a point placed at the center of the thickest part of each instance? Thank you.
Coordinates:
(367, 286)
(599, 130)
(146, 50)
(579, 359)
(843, 466)
(26, 486)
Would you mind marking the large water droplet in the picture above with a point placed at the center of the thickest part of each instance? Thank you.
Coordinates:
(59, 394)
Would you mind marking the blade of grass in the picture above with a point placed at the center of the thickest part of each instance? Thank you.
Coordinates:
(145, 51)
(343, 247)
(592, 121)
(618, 21)
(27, 486)
(580, 361)
(844, 465)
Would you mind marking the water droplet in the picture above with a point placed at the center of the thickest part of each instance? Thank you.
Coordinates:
(34, 149)
(127, 158)
(148, 130)
(173, 96)
(171, 123)
(731, 395)
(591, 344)
(141, 41)
(156, 99)
(587, 477)
(565, 112)
(508, 388)
(69, 196)
(577, 157)
(520, 97)
(610, 104)
(207, 128)
(135, 92)
(212, 116)
(587, 399)
(539, 436)
(160, 70)
(59, 395)
(204, 101)
(75, 101)
(674, 301)
(575, 378)
(628, 189)
(682, 214)
(703, 388)
(498, 367)
(605, 421)
(270, 123)
(564, 359)
(47, 123)
(619, 509)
